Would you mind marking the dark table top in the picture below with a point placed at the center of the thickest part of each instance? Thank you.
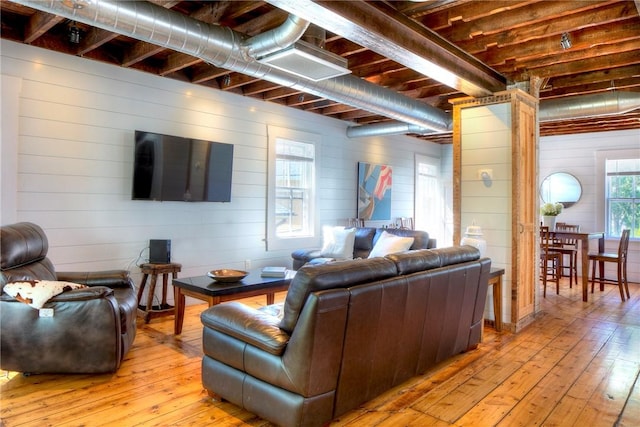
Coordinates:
(254, 281)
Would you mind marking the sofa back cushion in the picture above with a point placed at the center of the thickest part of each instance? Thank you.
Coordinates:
(23, 253)
(402, 326)
(342, 274)
(363, 242)
(427, 259)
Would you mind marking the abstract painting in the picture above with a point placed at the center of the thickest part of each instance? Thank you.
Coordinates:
(374, 192)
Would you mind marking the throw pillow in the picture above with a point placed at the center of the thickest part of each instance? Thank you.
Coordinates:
(37, 292)
(390, 244)
(337, 242)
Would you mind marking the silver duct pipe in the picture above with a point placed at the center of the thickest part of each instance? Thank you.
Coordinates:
(582, 106)
(387, 128)
(575, 107)
(277, 39)
(224, 48)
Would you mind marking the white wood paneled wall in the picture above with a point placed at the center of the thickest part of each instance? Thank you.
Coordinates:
(576, 154)
(487, 145)
(73, 146)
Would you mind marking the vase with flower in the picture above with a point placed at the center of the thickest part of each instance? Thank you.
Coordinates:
(549, 212)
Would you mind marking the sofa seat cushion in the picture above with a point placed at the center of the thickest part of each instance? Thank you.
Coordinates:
(339, 274)
(248, 325)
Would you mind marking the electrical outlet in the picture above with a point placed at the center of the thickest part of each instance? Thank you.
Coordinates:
(247, 264)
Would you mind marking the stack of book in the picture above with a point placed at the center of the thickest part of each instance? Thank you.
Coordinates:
(274, 272)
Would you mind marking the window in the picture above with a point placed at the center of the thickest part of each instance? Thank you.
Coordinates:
(429, 212)
(291, 203)
(294, 188)
(622, 196)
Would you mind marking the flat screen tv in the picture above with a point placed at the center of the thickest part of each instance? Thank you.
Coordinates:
(173, 168)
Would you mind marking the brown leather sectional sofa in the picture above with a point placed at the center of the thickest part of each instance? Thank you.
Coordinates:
(89, 330)
(366, 238)
(350, 330)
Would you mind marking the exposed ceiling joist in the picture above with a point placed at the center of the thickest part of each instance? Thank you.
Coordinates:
(410, 43)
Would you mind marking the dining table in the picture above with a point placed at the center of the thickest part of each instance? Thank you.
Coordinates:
(583, 237)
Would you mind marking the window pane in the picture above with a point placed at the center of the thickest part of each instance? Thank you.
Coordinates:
(623, 197)
(294, 186)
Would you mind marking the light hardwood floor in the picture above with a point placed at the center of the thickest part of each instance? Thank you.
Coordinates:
(578, 364)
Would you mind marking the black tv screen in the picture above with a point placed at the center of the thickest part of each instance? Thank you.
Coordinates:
(173, 168)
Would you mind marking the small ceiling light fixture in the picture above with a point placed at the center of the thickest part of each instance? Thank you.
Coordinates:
(226, 80)
(565, 41)
(74, 33)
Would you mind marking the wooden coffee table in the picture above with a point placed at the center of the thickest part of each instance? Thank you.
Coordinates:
(207, 289)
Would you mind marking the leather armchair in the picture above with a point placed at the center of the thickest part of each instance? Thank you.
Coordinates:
(91, 328)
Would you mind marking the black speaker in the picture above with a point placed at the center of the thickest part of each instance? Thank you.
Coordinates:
(159, 251)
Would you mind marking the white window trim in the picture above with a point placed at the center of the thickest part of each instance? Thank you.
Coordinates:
(273, 242)
(601, 158)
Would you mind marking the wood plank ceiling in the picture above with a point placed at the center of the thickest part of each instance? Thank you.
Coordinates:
(520, 40)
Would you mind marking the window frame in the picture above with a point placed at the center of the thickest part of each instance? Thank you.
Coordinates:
(273, 241)
(601, 184)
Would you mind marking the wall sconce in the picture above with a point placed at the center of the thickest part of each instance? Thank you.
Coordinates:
(565, 42)
(486, 175)
(74, 33)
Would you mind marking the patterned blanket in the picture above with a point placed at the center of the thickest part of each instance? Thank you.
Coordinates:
(37, 292)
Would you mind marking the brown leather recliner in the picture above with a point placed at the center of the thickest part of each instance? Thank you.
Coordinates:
(91, 328)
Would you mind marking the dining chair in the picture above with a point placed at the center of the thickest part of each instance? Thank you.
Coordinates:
(405, 223)
(550, 261)
(355, 222)
(620, 259)
(569, 247)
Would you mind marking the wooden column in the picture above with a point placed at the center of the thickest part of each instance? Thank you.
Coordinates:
(500, 133)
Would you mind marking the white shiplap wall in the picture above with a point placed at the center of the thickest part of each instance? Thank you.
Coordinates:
(577, 155)
(68, 162)
(486, 145)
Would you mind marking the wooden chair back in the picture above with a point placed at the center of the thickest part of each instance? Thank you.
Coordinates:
(562, 226)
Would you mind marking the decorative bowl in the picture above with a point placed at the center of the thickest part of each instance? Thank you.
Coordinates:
(227, 276)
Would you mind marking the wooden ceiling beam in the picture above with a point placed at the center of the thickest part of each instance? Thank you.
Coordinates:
(583, 43)
(410, 44)
(176, 61)
(512, 36)
(514, 18)
(39, 24)
(599, 58)
(462, 12)
(204, 72)
(582, 79)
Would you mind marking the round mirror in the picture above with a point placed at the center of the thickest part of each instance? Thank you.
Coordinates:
(561, 187)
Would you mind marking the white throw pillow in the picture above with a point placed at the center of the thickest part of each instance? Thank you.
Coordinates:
(390, 244)
(337, 242)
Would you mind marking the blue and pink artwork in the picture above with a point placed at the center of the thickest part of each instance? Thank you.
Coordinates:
(374, 192)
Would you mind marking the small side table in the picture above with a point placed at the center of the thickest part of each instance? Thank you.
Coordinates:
(495, 280)
(149, 311)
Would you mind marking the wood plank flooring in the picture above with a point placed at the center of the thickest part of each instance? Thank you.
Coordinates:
(578, 364)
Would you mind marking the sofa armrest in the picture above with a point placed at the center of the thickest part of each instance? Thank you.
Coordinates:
(247, 325)
(303, 256)
(109, 278)
(432, 243)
